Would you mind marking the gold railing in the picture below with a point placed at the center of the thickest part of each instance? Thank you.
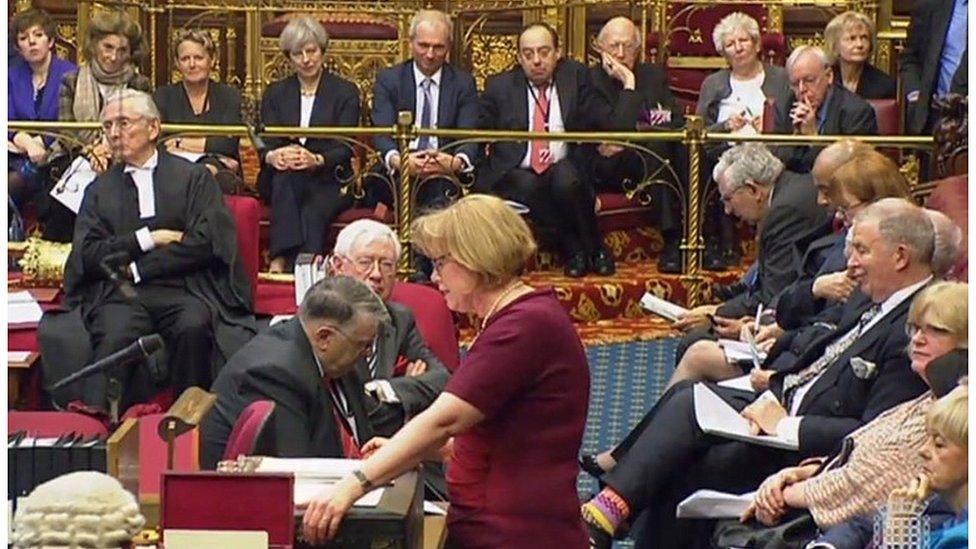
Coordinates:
(693, 136)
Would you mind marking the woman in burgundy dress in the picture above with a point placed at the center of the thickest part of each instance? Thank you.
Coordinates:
(510, 421)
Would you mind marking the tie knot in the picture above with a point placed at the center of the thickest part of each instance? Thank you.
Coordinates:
(426, 83)
(543, 88)
(870, 313)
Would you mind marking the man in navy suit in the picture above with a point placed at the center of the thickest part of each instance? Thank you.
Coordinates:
(440, 96)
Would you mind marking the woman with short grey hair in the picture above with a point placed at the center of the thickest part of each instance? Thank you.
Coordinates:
(732, 100)
(301, 176)
(849, 41)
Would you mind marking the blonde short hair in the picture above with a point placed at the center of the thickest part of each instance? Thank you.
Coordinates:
(197, 36)
(480, 232)
(431, 17)
(946, 304)
(949, 416)
(839, 25)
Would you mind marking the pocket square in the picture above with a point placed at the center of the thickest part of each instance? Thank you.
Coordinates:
(863, 369)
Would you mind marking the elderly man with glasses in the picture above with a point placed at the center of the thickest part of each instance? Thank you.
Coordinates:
(816, 106)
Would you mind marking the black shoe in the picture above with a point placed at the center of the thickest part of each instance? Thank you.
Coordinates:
(603, 263)
(599, 538)
(713, 259)
(588, 463)
(577, 266)
(670, 260)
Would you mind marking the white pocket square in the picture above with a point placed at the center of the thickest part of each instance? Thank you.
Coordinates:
(863, 369)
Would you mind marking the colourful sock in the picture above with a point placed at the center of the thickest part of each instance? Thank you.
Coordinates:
(607, 510)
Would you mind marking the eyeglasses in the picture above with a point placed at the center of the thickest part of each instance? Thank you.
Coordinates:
(926, 330)
(848, 211)
(365, 347)
(123, 123)
(439, 262)
(619, 46)
(366, 264)
(727, 198)
(806, 81)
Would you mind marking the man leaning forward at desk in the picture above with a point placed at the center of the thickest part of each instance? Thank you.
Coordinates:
(305, 365)
(844, 380)
(163, 222)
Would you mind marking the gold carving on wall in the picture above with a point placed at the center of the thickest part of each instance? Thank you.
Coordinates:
(492, 54)
(796, 41)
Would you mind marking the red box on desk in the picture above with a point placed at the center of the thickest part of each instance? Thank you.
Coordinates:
(231, 501)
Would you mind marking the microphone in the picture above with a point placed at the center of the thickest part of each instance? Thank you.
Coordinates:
(109, 265)
(140, 350)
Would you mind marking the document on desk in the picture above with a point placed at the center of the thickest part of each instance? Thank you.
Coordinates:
(716, 417)
(313, 475)
(709, 504)
(662, 307)
(23, 308)
(742, 383)
(741, 351)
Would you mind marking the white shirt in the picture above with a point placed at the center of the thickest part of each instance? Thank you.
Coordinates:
(747, 98)
(142, 176)
(789, 427)
(557, 149)
(308, 101)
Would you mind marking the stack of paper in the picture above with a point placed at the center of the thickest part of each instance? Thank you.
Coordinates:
(715, 416)
(741, 351)
(316, 475)
(22, 308)
(709, 504)
(662, 307)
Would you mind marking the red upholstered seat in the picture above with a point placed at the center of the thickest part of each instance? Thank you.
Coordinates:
(343, 26)
(434, 320)
(769, 115)
(619, 213)
(152, 453)
(248, 428)
(247, 221)
(886, 111)
(951, 197)
(53, 424)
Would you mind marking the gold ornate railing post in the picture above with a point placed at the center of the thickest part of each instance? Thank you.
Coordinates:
(693, 245)
(404, 133)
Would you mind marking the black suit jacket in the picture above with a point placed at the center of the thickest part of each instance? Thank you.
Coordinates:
(457, 108)
(504, 106)
(401, 340)
(847, 114)
(278, 365)
(336, 104)
(874, 83)
(793, 212)
(796, 303)
(840, 401)
(922, 56)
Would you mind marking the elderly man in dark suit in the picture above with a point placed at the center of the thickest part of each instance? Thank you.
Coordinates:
(815, 106)
(162, 220)
(548, 93)
(610, 165)
(401, 375)
(934, 61)
(845, 379)
(306, 366)
(439, 95)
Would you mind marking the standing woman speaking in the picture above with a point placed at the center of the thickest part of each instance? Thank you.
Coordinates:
(510, 421)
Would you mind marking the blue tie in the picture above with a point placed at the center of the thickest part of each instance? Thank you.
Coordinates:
(424, 142)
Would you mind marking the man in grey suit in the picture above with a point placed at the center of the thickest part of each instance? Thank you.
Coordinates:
(401, 375)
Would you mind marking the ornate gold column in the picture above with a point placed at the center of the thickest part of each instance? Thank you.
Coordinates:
(576, 33)
(253, 82)
(693, 245)
(404, 208)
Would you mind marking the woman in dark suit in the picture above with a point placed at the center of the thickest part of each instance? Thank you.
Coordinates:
(300, 176)
(849, 39)
(199, 100)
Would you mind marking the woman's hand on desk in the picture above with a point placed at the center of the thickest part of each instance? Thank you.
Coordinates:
(326, 510)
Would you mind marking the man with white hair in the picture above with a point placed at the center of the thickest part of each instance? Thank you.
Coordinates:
(948, 243)
(815, 106)
(401, 375)
(160, 222)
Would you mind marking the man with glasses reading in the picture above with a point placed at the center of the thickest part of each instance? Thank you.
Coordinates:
(160, 222)
(305, 365)
(816, 106)
(401, 375)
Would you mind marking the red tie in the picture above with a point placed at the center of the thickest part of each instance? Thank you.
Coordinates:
(540, 147)
(350, 448)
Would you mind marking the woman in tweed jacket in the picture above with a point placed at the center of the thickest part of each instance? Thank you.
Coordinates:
(885, 452)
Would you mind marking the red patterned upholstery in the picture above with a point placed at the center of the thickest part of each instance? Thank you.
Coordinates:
(769, 115)
(951, 197)
(619, 213)
(886, 110)
(340, 26)
(248, 428)
(53, 424)
(247, 220)
(434, 320)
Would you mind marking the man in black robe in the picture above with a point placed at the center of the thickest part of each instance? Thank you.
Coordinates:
(160, 225)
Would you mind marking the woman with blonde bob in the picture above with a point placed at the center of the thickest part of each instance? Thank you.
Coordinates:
(849, 39)
(510, 421)
(886, 451)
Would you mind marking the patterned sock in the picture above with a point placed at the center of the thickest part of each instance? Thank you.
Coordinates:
(607, 510)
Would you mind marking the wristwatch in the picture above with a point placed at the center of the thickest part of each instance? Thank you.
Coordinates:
(363, 481)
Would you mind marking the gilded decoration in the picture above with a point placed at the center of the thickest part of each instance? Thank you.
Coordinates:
(492, 54)
(43, 262)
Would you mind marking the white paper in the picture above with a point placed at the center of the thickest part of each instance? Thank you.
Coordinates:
(215, 539)
(313, 475)
(716, 417)
(714, 505)
(741, 351)
(741, 383)
(662, 307)
(17, 356)
(191, 156)
(306, 489)
(70, 189)
(279, 318)
(23, 308)
(432, 508)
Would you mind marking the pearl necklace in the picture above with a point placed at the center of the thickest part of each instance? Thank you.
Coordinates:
(516, 285)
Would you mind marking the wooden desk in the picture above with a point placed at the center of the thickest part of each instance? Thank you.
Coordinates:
(435, 531)
(18, 376)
